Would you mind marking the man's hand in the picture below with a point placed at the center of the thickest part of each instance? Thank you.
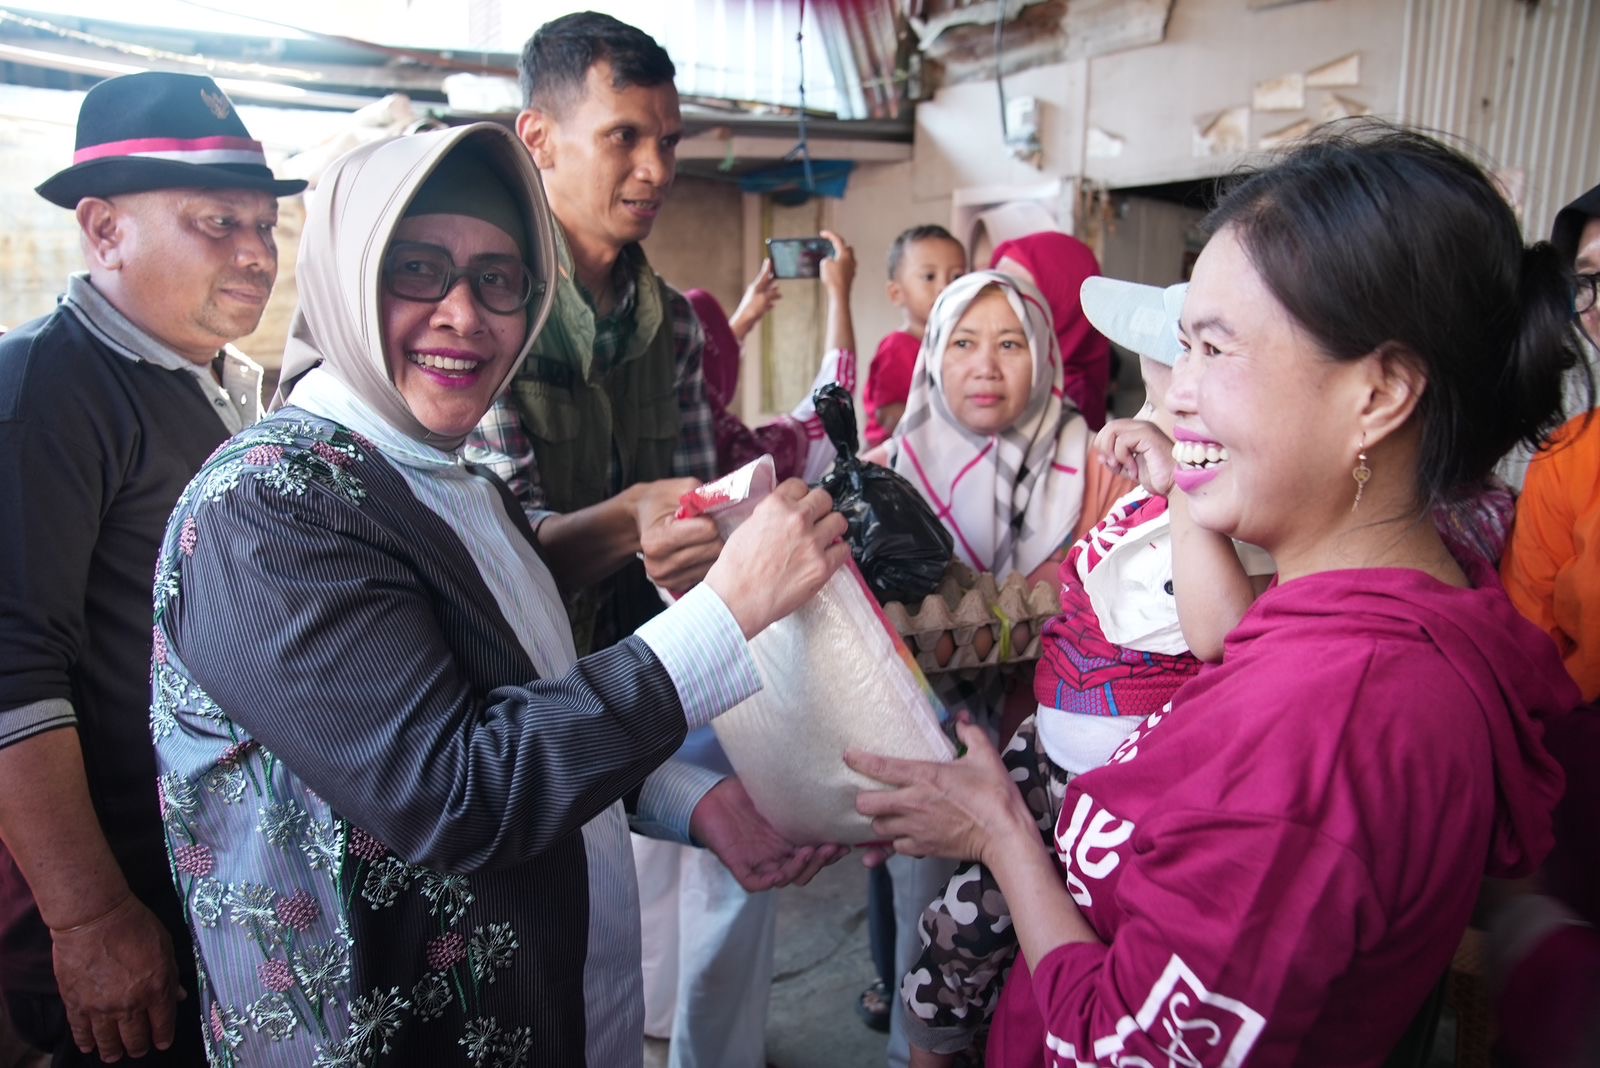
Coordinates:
(1138, 450)
(758, 299)
(119, 982)
(677, 552)
(780, 557)
(727, 823)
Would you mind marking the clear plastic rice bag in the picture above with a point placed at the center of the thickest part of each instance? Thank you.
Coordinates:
(834, 674)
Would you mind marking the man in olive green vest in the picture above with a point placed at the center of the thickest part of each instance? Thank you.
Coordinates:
(607, 418)
(604, 428)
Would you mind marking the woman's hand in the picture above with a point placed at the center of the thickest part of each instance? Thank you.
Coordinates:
(780, 557)
(967, 809)
(838, 272)
(1138, 450)
(759, 297)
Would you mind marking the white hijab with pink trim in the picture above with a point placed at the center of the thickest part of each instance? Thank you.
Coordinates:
(1011, 499)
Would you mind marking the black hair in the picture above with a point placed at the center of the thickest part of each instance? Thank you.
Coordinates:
(1373, 235)
(556, 60)
(906, 238)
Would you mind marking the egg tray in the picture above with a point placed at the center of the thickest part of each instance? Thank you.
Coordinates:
(957, 627)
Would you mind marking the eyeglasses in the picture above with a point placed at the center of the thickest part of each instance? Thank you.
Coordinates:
(1583, 292)
(425, 273)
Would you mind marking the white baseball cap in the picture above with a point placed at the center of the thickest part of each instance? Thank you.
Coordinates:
(1140, 318)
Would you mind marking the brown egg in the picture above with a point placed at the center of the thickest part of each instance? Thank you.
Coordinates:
(944, 649)
(1021, 635)
(983, 641)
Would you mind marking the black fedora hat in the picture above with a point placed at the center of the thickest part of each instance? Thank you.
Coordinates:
(156, 130)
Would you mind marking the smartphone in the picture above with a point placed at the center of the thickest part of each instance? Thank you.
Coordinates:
(798, 257)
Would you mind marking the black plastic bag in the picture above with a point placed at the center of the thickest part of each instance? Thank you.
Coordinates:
(898, 543)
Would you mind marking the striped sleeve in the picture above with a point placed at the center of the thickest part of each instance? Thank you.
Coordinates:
(705, 652)
(669, 797)
(19, 724)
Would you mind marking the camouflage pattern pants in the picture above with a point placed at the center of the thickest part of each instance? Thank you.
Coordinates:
(967, 938)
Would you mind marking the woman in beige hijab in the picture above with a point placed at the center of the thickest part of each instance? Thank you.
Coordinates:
(391, 793)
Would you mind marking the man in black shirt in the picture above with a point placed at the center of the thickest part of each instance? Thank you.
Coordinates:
(108, 406)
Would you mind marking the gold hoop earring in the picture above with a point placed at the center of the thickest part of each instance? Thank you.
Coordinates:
(1361, 473)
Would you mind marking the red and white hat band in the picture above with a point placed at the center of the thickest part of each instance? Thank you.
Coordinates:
(199, 150)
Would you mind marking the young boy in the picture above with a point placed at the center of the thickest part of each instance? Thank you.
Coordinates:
(922, 261)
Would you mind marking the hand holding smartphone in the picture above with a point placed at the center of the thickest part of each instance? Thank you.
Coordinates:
(798, 257)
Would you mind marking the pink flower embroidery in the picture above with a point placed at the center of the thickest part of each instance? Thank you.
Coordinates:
(446, 951)
(297, 912)
(263, 455)
(195, 860)
(330, 454)
(364, 846)
(276, 975)
(362, 441)
(217, 1025)
(158, 644)
(234, 755)
(188, 536)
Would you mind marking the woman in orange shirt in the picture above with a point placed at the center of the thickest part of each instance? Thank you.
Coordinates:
(1552, 566)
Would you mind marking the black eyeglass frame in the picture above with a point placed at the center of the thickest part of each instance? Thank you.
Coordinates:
(472, 272)
(1584, 291)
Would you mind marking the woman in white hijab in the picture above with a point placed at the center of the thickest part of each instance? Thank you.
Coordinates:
(391, 794)
(992, 443)
(988, 436)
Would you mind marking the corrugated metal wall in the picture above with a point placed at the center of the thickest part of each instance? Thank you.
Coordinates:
(1520, 81)
(743, 50)
(746, 49)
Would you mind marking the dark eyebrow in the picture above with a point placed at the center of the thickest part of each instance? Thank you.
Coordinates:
(506, 257)
(394, 246)
(1211, 322)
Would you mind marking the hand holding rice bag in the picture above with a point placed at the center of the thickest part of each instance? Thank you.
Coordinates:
(834, 674)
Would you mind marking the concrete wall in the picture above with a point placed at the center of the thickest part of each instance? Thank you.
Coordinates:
(1152, 98)
(958, 140)
(697, 242)
(1214, 54)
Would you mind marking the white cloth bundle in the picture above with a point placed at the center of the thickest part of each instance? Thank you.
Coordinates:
(834, 675)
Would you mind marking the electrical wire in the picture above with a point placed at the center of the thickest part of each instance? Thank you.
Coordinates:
(804, 147)
(999, 67)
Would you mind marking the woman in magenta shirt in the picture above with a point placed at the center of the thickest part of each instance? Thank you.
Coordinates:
(1276, 869)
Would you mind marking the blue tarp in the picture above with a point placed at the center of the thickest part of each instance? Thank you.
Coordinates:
(828, 179)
